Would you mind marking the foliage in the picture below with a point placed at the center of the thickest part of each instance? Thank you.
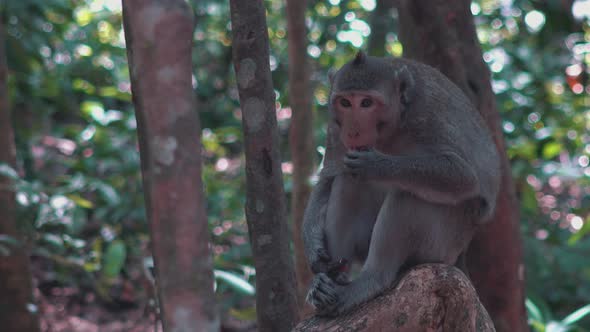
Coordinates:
(78, 181)
(539, 59)
(541, 319)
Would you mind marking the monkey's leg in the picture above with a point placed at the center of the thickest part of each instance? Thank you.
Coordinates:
(339, 209)
(352, 210)
(351, 215)
(387, 252)
(408, 231)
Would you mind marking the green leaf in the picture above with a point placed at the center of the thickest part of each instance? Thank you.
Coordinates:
(537, 326)
(551, 150)
(577, 236)
(109, 91)
(114, 259)
(248, 314)
(554, 326)
(90, 267)
(93, 109)
(8, 171)
(235, 282)
(83, 16)
(576, 315)
(81, 202)
(528, 199)
(108, 193)
(54, 240)
(533, 311)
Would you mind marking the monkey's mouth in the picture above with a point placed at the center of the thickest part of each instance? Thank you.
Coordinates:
(361, 148)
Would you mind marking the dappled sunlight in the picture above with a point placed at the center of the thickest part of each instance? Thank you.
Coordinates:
(78, 183)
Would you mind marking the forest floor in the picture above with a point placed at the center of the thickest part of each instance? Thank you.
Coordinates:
(127, 305)
(71, 299)
(70, 309)
(62, 313)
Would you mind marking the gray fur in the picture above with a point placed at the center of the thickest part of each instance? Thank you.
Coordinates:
(418, 196)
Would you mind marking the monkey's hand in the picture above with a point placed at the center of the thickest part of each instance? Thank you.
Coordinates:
(326, 295)
(319, 259)
(336, 270)
(366, 163)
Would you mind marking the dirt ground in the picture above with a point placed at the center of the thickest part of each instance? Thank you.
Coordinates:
(63, 312)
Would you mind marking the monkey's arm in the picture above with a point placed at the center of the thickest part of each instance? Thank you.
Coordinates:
(443, 177)
(314, 221)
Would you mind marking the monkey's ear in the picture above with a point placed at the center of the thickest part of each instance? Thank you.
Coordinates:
(407, 85)
(360, 58)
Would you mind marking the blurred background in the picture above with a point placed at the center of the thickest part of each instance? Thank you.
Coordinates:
(80, 192)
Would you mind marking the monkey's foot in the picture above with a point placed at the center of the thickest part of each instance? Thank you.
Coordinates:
(326, 296)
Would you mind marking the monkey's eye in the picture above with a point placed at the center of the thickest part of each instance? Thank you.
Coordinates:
(367, 102)
(345, 102)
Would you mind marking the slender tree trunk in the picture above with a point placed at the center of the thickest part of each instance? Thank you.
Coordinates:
(381, 24)
(301, 133)
(442, 34)
(17, 311)
(276, 299)
(159, 38)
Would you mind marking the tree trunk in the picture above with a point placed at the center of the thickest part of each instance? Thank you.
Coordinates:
(381, 23)
(442, 34)
(301, 134)
(276, 297)
(432, 297)
(17, 311)
(159, 38)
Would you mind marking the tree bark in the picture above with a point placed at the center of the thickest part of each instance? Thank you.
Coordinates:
(300, 135)
(442, 34)
(433, 297)
(17, 309)
(276, 297)
(159, 38)
(380, 23)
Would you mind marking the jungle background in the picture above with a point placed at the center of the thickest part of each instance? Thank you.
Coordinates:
(78, 181)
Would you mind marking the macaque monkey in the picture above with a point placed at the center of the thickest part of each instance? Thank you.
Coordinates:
(410, 172)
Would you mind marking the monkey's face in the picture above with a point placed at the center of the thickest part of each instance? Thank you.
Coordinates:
(360, 116)
(368, 100)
